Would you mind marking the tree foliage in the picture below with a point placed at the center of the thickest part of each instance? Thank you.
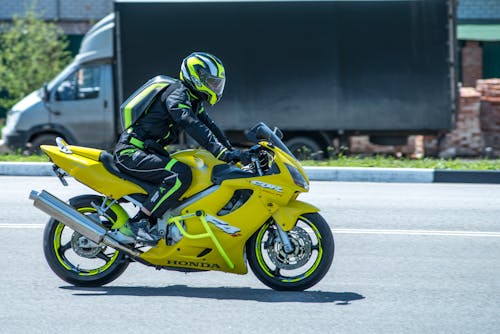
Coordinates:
(32, 52)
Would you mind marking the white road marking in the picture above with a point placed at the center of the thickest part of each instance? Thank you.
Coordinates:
(419, 232)
(21, 226)
(340, 231)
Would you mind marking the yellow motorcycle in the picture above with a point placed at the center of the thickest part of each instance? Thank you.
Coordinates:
(230, 215)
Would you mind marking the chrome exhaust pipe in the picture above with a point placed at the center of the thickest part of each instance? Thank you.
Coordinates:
(70, 217)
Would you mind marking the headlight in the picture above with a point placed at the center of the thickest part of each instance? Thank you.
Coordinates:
(12, 112)
(297, 177)
(12, 118)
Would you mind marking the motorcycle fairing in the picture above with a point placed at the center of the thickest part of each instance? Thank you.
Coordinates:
(248, 218)
(286, 216)
(84, 165)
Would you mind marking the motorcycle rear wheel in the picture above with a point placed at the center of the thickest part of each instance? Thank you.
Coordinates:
(309, 262)
(76, 259)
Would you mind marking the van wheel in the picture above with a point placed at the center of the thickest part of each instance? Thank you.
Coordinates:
(304, 148)
(45, 139)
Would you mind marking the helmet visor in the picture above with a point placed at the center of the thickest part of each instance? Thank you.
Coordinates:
(215, 84)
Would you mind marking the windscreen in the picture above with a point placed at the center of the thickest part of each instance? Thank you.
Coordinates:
(261, 132)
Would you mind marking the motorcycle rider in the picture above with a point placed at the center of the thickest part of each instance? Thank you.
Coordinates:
(139, 151)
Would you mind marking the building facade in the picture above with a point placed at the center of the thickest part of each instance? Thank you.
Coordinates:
(75, 17)
(478, 10)
(479, 40)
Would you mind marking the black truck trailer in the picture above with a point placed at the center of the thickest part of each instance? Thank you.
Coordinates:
(316, 69)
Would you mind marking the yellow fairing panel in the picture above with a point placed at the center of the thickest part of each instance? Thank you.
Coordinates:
(286, 216)
(87, 152)
(186, 253)
(84, 165)
(201, 162)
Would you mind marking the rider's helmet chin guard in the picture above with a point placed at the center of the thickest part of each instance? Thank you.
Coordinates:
(205, 75)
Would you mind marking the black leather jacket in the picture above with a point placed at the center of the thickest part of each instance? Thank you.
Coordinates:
(174, 109)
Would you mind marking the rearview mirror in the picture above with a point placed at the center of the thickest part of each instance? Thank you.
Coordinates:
(45, 90)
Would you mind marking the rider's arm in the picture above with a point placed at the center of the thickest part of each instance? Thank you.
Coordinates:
(203, 116)
(181, 111)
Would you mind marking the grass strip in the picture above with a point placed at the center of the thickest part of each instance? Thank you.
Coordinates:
(350, 161)
(23, 158)
(394, 162)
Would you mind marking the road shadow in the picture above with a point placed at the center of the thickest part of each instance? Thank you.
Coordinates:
(222, 293)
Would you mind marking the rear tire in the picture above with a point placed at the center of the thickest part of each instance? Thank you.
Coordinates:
(304, 148)
(44, 139)
(306, 266)
(63, 250)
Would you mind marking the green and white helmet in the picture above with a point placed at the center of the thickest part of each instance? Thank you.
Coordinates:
(204, 73)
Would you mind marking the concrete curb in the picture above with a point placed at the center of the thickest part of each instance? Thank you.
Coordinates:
(26, 169)
(487, 176)
(361, 174)
(346, 174)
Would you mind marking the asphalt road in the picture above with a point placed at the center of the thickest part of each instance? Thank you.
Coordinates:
(410, 258)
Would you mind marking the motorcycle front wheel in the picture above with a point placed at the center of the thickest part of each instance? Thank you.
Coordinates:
(306, 265)
(76, 259)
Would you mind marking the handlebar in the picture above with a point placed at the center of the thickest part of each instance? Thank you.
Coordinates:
(260, 159)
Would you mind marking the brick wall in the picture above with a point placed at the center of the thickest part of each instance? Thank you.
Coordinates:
(490, 114)
(472, 63)
(477, 131)
(466, 138)
(414, 147)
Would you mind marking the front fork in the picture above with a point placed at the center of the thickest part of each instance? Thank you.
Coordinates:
(286, 218)
(285, 240)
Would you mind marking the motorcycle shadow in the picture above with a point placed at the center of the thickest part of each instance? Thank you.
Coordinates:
(222, 293)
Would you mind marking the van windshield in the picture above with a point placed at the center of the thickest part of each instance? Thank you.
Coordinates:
(61, 76)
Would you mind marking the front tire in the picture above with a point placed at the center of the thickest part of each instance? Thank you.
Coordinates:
(77, 260)
(305, 266)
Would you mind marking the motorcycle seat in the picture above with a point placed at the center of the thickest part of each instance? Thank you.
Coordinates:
(109, 163)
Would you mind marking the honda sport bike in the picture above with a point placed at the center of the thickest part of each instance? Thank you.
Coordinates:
(231, 216)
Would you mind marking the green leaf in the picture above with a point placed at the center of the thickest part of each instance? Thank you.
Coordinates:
(32, 52)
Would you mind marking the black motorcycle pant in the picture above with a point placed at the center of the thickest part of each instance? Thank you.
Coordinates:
(172, 177)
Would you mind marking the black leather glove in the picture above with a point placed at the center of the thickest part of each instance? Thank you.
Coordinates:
(237, 155)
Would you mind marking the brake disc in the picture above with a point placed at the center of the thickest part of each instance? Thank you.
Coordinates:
(84, 247)
(301, 242)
